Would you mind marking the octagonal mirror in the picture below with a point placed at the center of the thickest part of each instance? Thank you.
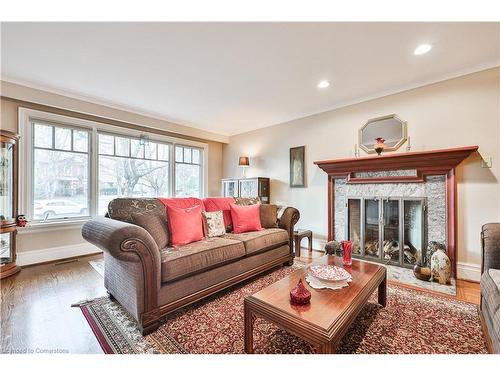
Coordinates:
(391, 128)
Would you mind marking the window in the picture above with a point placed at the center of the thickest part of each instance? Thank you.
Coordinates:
(60, 172)
(130, 168)
(71, 168)
(187, 171)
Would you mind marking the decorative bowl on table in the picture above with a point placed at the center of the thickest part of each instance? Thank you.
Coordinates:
(327, 277)
(329, 273)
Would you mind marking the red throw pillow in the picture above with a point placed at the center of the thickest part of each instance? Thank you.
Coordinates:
(245, 218)
(186, 225)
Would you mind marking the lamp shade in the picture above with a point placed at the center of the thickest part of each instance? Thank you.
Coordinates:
(244, 162)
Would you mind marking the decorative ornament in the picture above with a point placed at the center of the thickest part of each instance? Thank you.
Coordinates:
(441, 267)
(21, 221)
(422, 272)
(347, 252)
(333, 248)
(300, 295)
(379, 145)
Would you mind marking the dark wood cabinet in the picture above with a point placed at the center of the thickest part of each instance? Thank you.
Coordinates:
(8, 203)
(247, 188)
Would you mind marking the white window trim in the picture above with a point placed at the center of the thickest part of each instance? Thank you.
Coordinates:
(25, 193)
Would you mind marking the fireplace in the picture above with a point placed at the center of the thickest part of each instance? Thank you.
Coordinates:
(392, 206)
(387, 229)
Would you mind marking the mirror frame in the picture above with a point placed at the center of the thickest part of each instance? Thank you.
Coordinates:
(392, 148)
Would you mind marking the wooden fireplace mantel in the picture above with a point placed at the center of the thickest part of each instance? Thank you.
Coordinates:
(434, 162)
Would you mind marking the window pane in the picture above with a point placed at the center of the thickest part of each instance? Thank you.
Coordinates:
(80, 141)
(178, 154)
(124, 177)
(162, 151)
(187, 155)
(60, 185)
(196, 156)
(62, 138)
(122, 146)
(43, 136)
(106, 144)
(137, 149)
(150, 150)
(187, 180)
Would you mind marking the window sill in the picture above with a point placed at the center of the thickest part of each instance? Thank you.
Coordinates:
(52, 226)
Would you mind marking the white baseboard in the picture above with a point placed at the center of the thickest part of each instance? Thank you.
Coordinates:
(468, 271)
(25, 258)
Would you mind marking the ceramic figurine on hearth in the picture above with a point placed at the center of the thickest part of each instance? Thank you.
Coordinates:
(441, 267)
(21, 221)
(333, 248)
(432, 247)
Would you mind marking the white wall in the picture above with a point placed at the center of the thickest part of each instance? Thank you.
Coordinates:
(457, 112)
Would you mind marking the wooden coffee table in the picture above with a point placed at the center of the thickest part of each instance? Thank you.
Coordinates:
(326, 319)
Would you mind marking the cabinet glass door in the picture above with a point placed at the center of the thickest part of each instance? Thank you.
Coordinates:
(6, 156)
(5, 248)
(390, 241)
(248, 188)
(231, 188)
(372, 228)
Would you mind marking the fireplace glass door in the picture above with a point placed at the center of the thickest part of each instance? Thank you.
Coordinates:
(387, 229)
(413, 229)
(372, 228)
(354, 224)
(391, 222)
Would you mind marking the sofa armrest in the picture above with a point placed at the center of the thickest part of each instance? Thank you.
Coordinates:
(288, 219)
(490, 243)
(133, 269)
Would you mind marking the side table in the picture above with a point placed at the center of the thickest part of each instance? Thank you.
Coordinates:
(298, 236)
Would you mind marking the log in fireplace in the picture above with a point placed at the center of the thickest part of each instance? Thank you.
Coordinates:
(390, 226)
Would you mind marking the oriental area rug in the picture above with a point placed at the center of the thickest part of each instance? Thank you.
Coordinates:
(413, 322)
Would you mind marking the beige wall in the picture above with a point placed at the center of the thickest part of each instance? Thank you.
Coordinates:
(458, 112)
(39, 240)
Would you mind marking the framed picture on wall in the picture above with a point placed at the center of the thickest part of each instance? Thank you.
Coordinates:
(297, 166)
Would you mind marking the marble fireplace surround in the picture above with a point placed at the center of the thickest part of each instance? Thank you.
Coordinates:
(414, 173)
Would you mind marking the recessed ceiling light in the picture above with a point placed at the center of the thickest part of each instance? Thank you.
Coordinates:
(323, 84)
(422, 49)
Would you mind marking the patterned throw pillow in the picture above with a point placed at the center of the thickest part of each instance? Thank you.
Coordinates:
(244, 201)
(214, 223)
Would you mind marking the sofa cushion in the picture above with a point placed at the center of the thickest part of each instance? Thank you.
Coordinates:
(155, 225)
(182, 202)
(220, 204)
(123, 208)
(185, 224)
(260, 240)
(196, 257)
(245, 218)
(269, 216)
(490, 291)
(495, 275)
(246, 201)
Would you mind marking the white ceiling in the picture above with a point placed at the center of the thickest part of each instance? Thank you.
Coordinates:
(229, 78)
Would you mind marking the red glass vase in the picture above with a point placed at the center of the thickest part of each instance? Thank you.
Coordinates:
(300, 295)
(347, 252)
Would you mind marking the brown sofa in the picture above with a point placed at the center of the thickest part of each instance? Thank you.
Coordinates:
(150, 282)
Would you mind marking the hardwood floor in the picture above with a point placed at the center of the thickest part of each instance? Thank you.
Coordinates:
(36, 312)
